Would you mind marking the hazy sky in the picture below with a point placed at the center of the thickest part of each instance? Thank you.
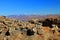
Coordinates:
(29, 7)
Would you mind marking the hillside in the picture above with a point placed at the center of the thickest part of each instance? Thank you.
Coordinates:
(33, 29)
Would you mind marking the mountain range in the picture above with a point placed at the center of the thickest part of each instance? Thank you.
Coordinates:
(29, 17)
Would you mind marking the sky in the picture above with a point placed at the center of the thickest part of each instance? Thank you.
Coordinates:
(29, 7)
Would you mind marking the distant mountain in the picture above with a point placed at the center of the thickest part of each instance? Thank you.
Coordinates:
(24, 17)
(29, 17)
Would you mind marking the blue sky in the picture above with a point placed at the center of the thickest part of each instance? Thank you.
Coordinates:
(29, 7)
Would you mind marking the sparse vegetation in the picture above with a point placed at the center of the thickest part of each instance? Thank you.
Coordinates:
(12, 29)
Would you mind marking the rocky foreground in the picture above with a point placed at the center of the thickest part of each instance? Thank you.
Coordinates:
(12, 29)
